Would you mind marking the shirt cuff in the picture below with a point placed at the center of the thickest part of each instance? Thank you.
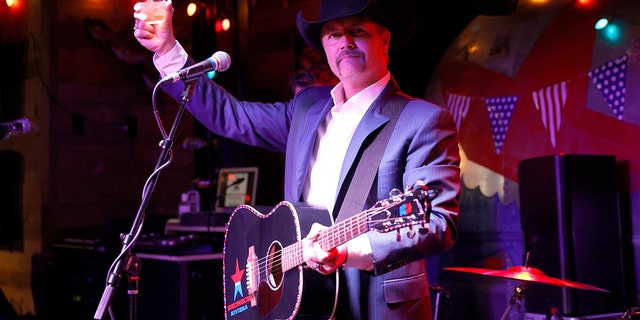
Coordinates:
(359, 254)
(172, 61)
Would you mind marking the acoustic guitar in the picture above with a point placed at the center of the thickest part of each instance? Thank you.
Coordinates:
(263, 272)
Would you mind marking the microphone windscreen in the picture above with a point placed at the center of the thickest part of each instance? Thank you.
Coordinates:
(223, 60)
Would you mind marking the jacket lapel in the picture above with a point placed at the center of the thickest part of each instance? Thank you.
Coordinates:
(372, 120)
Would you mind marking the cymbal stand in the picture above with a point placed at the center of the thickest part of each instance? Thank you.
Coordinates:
(516, 298)
(439, 291)
(518, 294)
(553, 312)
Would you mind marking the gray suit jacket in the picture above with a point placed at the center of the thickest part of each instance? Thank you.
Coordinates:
(423, 146)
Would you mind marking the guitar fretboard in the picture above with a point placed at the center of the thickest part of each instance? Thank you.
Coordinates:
(329, 238)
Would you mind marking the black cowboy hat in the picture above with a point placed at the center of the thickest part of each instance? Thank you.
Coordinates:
(396, 15)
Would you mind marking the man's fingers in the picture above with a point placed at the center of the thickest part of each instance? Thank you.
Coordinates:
(140, 16)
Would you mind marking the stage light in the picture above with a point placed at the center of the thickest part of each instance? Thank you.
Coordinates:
(613, 33)
(10, 3)
(223, 25)
(191, 9)
(602, 23)
(589, 4)
(585, 2)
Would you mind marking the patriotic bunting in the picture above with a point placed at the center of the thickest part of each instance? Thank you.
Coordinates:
(550, 101)
(458, 106)
(500, 113)
(610, 79)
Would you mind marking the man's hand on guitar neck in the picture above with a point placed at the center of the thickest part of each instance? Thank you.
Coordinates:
(325, 262)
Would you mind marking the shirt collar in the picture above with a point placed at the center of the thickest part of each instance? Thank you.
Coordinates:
(362, 99)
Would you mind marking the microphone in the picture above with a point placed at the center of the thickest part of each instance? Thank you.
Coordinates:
(16, 127)
(219, 61)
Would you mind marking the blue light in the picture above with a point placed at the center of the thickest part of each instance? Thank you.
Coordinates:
(600, 24)
(613, 33)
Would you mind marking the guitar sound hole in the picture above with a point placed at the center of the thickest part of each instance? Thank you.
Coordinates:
(274, 265)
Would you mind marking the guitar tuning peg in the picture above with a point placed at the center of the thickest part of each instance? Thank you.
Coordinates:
(411, 232)
(419, 184)
(394, 192)
(398, 236)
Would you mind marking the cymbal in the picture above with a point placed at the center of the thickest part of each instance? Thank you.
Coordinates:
(527, 274)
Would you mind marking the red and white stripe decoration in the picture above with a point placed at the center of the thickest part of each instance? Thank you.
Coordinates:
(458, 106)
(550, 101)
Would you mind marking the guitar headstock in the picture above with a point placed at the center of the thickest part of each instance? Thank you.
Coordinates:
(403, 209)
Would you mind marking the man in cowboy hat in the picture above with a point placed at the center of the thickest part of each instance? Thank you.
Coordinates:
(325, 133)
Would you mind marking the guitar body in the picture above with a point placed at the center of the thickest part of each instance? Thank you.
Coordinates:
(263, 276)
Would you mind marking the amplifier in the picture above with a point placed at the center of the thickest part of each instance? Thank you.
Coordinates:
(180, 244)
(180, 287)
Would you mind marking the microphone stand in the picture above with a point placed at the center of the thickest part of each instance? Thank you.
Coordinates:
(125, 261)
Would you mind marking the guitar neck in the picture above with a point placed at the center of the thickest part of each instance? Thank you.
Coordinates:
(343, 231)
(328, 239)
(400, 210)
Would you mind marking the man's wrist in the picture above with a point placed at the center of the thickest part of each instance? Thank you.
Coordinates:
(166, 48)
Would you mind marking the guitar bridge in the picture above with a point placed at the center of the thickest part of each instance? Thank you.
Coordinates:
(252, 275)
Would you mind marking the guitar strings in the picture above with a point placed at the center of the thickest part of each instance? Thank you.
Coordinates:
(294, 251)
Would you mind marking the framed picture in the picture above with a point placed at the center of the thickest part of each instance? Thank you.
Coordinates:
(236, 186)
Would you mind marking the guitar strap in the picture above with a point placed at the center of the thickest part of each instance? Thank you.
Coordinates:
(359, 182)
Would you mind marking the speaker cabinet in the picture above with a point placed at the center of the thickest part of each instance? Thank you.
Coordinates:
(571, 222)
(180, 287)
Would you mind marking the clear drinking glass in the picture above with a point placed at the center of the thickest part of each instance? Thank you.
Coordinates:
(154, 9)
